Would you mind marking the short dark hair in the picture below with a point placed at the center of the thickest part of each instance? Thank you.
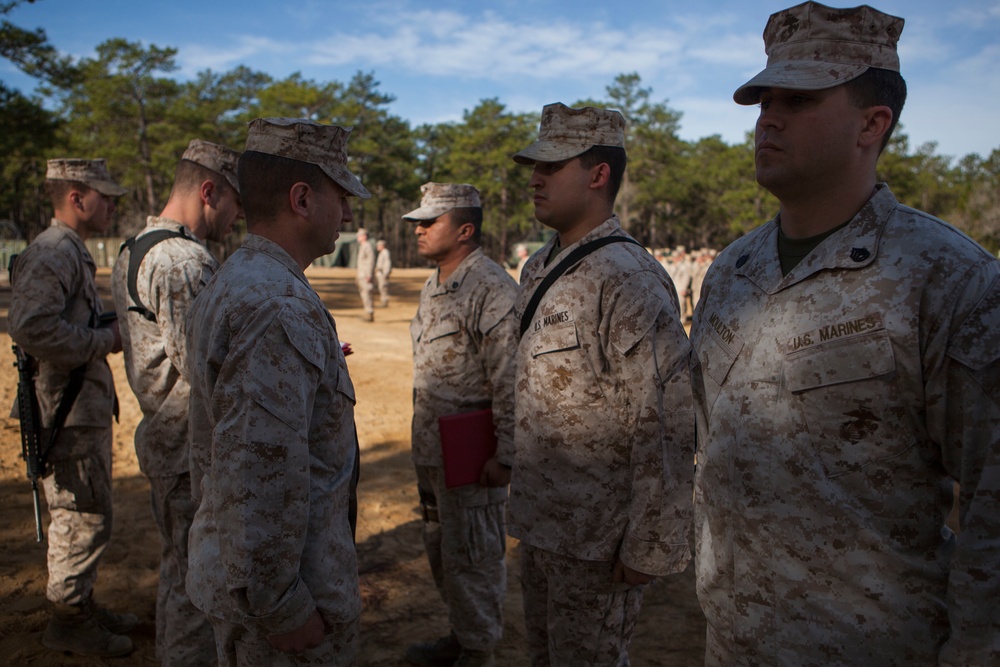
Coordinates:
(469, 215)
(190, 175)
(879, 87)
(57, 189)
(265, 180)
(615, 157)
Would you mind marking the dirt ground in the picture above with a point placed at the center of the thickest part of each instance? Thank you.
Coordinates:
(401, 603)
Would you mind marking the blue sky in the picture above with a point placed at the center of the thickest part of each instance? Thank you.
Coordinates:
(441, 58)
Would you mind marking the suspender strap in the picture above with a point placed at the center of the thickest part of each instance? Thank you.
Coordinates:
(561, 268)
(138, 247)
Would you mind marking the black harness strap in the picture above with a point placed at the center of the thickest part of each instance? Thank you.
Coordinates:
(138, 247)
(561, 268)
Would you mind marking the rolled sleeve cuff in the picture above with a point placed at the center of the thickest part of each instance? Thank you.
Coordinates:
(655, 557)
(287, 614)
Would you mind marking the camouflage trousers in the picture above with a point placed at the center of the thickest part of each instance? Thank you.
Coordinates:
(466, 542)
(365, 289)
(383, 287)
(575, 616)
(184, 634)
(240, 646)
(78, 492)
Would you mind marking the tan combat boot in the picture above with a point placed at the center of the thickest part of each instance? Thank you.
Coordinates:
(74, 628)
(115, 622)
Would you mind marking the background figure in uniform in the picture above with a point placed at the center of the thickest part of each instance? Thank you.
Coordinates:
(463, 337)
(54, 317)
(383, 268)
(600, 493)
(702, 260)
(366, 274)
(522, 253)
(847, 371)
(273, 444)
(680, 273)
(204, 205)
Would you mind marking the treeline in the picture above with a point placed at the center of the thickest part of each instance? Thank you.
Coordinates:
(122, 104)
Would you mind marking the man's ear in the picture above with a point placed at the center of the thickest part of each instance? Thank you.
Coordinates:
(877, 121)
(466, 231)
(600, 175)
(299, 199)
(207, 192)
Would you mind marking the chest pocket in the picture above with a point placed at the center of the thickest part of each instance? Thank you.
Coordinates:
(440, 330)
(561, 365)
(849, 401)
(554, 338)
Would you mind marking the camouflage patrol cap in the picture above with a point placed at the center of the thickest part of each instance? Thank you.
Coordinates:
(566, 132)
(220, 159)
(92, 173)
(300, 139)
(439, 198)
(813, 47)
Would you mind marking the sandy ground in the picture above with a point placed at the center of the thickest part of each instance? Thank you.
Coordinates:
(401, 603)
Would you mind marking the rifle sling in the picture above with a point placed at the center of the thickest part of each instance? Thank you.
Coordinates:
(69, 395)
(561, 268)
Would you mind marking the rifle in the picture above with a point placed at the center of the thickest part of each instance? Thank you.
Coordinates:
(30, 415)
(31, 448)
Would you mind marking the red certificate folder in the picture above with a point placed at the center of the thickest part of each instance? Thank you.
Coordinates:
(467, 443)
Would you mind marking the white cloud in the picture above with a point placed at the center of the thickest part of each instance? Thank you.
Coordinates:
(196, 57)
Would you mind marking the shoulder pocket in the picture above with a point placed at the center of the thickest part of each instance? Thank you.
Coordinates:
(635, 320)
(977, 342)
(274, 381)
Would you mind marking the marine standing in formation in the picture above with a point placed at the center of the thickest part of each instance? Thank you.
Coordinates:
(844, 357)
(366, 274)
(847, 372)
(463, 337)
(55, 317)
(383, 269)
(273, 444)
(153, 287)
(600, 495)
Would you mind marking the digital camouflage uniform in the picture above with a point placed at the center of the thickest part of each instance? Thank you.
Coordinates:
(172, 273)
(272, 451)
(366, 275)
(463, 337)
(836, 406)
(53, 317)
(604, 446)
(383, 268)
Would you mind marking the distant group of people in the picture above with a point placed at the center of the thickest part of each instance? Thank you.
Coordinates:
(687, 271)
(374, 266)
(840, 376)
